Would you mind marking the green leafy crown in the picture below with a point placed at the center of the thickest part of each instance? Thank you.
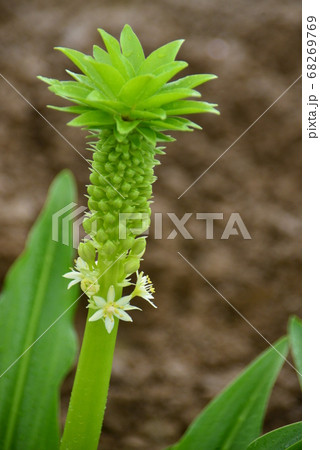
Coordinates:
(121, 89)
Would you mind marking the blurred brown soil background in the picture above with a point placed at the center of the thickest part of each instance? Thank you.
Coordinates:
(171, 361)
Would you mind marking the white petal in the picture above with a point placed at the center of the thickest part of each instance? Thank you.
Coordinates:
(80, 264)
(99, 301)
(129, 307)
(72, 283)
(111, 294)
(123, 300)
(96, 316)
(149, 301)
(122, 315)
(109, 323)
(73, 275)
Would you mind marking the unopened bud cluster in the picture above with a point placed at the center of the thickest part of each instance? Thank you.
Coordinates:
(126, 101)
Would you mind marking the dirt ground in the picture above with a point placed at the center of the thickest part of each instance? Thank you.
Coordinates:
(171, 361)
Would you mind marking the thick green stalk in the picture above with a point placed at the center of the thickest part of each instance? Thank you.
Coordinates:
(90, 389)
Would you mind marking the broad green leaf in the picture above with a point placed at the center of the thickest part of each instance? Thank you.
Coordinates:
(295, 339)
(235, 417)
(160, 57)
(131, 47)
(281, 439)
(38, 342)
(189, 107)
(134, 89)
(92, 119)
(297, 446)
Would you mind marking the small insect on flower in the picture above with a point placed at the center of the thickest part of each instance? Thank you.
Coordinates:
(85, 276)
(108, 309)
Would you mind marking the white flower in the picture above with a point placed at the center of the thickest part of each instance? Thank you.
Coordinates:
(108, 309)
(84, 275)
(144, 288)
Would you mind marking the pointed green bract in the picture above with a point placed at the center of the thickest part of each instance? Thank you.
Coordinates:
(191, 81)
(134, 89)
(160, 57)
(138, 86)
(91, 119)
(117, 59)
(184, 107)
(131, 47)
(101, 55)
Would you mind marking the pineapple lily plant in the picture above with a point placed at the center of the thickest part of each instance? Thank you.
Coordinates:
(128, 103)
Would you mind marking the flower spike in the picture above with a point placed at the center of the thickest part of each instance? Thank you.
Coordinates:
(128, 102)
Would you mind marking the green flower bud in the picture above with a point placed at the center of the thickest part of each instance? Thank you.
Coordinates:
(94, 178)
(100, 157)
(139, 247)
(87, 252)
(116, 179)
(103, 205)
(89, 286)
(109, 249)
(131, 265)
(101, 236)
(117, 203)
(109, 219)
(93, 205)
(87, 225)
(127, 243)
(109, 168)
(98, 193)
(126, 187)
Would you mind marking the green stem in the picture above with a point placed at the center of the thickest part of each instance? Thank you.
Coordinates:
(90, 389)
